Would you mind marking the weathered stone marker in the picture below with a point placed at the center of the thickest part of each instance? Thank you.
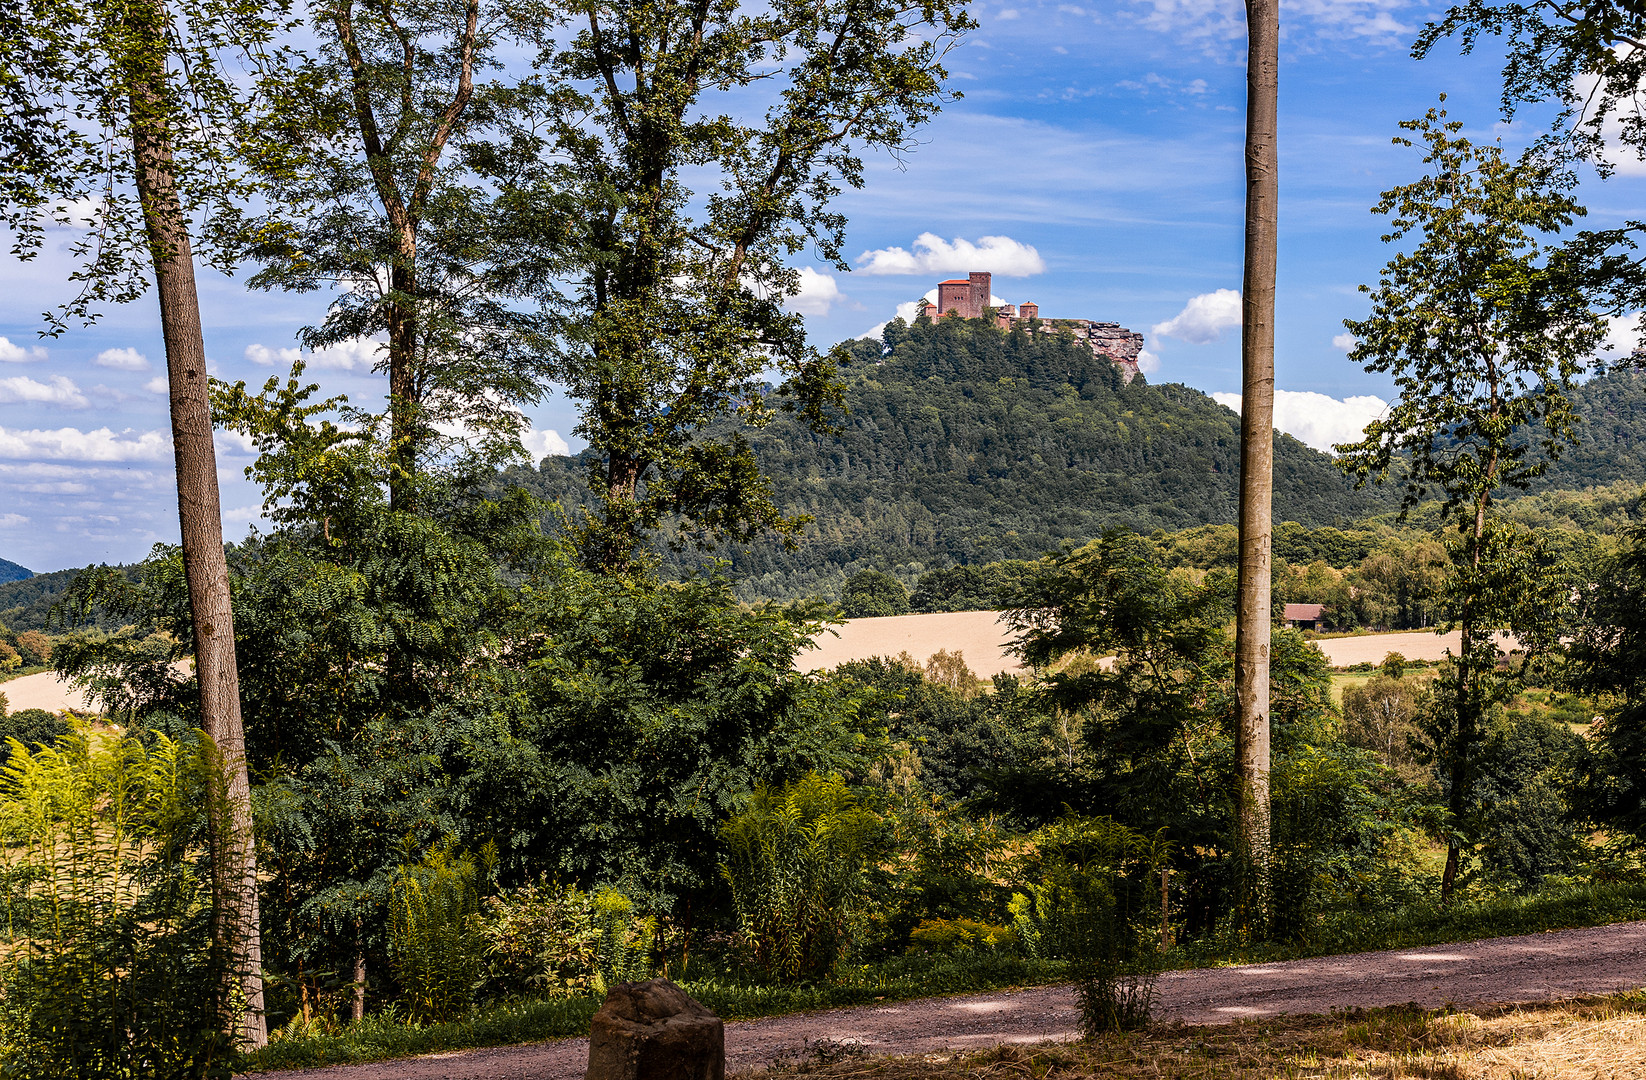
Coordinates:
(653, 1030)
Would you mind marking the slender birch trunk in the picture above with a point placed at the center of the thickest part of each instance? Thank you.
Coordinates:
(1257, 430)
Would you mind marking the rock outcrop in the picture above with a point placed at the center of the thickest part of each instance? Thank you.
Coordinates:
(654, 1030)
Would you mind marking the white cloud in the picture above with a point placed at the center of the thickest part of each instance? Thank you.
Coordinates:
(1213, 20)
(16, 354)
(818, 293)
(1147, 362)
(1008, 13)
(1203, 319)
(545, 443)
(11, 521)
(57, 391)
(122, 360)
(158, 385)
(1317, 420)
(934, 255)
(356, 354)
(1344, 341)
(72, 444)
(1623, 335)
(234, 444)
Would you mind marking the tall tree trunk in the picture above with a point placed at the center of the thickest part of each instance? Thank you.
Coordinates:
(199, 512)
(1252, 624)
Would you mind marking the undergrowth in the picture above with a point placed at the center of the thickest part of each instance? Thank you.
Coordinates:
(388, 1035)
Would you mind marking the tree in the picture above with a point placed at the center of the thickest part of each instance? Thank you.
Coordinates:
(684, 210)
(1589, 58)
(1484, 326)
(869, 594)
(1257, 347)
(114, 118)
(372, 151)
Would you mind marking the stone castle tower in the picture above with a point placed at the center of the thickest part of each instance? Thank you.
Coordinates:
(966, 298)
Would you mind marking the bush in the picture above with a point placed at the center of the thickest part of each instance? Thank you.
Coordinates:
(434, 942)
(949, 936)
(548, 940)
(31, 727)
(109, 969)
(794, 860)
(1086, 899)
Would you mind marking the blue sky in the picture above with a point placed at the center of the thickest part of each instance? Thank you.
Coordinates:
(1098, 146)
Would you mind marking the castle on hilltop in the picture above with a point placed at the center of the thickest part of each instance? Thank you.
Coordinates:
(968, 298)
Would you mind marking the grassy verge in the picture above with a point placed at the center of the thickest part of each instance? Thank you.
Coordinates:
(1592, 1037)
(384, 1036)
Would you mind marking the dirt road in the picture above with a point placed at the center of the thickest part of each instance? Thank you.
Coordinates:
(1536, 967)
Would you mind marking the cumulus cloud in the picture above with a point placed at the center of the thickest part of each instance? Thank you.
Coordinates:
(1623, 337)
(157, 385)
(72, 444)
(934, 255)
(1147, 362)
(11, 521)
(122, 360)
(58, 390)
(1203, 319)
(16, 354)
(356, 354)
(545, 443)
(1344, 341)
(1317, 420)
(818, 293)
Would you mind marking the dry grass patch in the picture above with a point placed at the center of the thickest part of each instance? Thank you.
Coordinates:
(1581, 1039)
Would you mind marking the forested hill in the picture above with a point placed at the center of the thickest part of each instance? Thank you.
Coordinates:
(10, 571)
(967, 444)
(1612, 435)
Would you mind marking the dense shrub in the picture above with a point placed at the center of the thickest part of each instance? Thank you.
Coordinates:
(109, 970)
(947, 936)
(434, 943)
(546, 940)
(794, 859)
(1087, 887)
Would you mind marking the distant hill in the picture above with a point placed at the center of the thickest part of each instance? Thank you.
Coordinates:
(26, 604)
(1612, 435)
(10, 571)
(967, 444)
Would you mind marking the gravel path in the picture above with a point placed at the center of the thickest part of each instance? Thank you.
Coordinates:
(1535, 967)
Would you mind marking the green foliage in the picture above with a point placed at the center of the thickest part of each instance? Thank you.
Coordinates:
(33, 728)
(971, 588)
(960, 935)
(109, 968)
(1381, 717)
(1608, 658)
(557, 941)
(794, 860)
(434, 944)
(685, 200)
(1088, 883)
(870, 594)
